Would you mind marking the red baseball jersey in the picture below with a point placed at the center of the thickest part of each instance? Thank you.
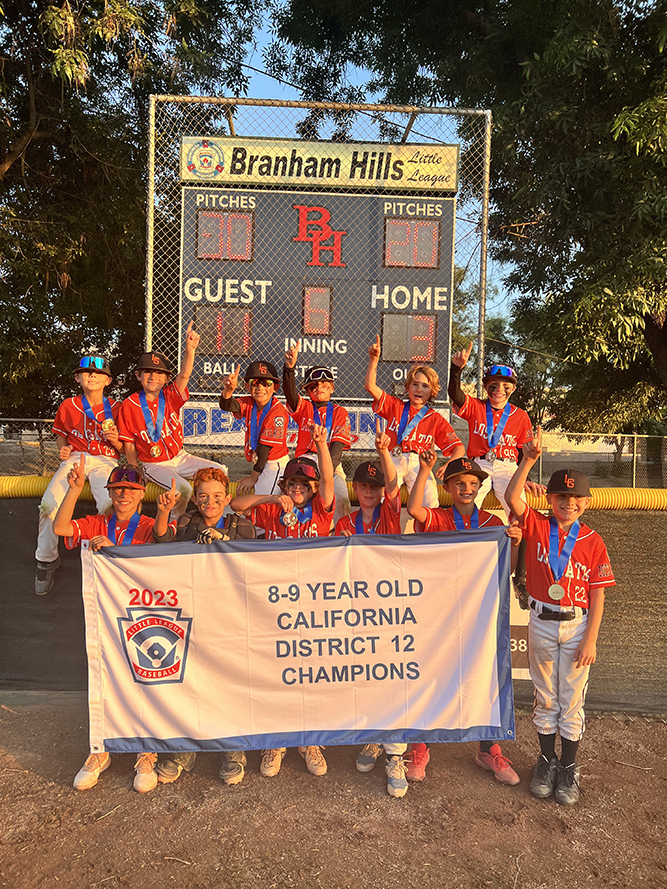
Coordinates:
(98, 526)
(518, 429)
(587, 569)
(132, 426)
(431, 428)
(274, 428)
(268, 515)
(441, 519)
(340, 426)
(389, 521)
(82, 433)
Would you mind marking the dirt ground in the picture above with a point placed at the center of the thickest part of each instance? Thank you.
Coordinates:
(459, 828)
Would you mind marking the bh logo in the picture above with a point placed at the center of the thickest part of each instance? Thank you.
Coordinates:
(205, 159)
(155, 644)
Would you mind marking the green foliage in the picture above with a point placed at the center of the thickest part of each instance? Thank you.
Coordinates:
(74, 91)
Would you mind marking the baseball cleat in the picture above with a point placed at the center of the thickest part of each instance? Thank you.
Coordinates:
(543, 778)
(146, 778)
(45, 576)
(315, 762)
(271, 761)
(397, 783)
(90, 771)
(495, 762)
(567, 784)
(416, 764)
(367, 757)
(232, 766)
(168, 770)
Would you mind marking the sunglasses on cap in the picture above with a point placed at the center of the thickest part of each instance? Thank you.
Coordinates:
(261, 381)
(91, 361)
(301, 469)
(127, 477)
(499, 370)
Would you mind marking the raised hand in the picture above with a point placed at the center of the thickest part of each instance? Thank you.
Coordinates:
(191, 338)
(460, 359)
(318, 432)
(374, 350)
(382, 440)
(167, 499)
(427, 458)
(532, 449)
(292, 354)
(232, 380)
(76, 477)
(535, 489)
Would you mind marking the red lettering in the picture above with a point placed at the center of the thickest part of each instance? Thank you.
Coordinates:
(316, 229)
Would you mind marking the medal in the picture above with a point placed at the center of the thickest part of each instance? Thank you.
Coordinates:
(107, 425)
(494, 436)
(490, 456)
(156, 450)
(397, 452)
(289, 520)
(556, 592)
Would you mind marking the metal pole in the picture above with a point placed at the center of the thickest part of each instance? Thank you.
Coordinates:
(634, 460)
(150, 225)
(483, 248)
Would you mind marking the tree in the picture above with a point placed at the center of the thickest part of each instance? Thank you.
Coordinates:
(578, 91)
(74, 91)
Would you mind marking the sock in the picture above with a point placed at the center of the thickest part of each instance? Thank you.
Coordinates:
(485, 746)
(568, 754)
(548, 745)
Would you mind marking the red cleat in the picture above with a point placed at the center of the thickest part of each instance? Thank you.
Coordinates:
(416, 764)
(495, 762)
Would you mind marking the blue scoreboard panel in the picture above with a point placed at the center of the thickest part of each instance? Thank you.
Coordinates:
(261, 269)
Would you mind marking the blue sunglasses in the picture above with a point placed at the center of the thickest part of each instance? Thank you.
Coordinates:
(499, 370)
(92, 361)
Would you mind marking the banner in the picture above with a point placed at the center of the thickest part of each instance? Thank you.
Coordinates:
(258, 644)
(231, 160)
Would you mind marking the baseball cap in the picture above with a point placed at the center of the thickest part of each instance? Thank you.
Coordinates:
(126, 477)
(370, 473)
(154, 361)
(463, 466)
(569, 481)
(317, 375)
(500, 372)
(302, 466)
(261, 370)
(95, 363)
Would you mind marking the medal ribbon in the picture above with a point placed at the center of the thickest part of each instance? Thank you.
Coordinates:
(460, 524)
(403, 430)
(359, 521)
(303, 516)
(154, 429)
(256, 425)
(317, 419)
(88, 411)
(129, 531)
(558, 563)
(495, 436)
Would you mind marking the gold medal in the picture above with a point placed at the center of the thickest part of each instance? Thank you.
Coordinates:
(398, 450)
(107, 425)
(556, 592)
(289, 520)
(156, 450)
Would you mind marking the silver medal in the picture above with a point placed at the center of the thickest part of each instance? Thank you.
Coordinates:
(490, 456)
(289, 520)
(556, 592)
(398, 450)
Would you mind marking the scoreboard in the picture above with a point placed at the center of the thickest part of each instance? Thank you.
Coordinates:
(263, 266)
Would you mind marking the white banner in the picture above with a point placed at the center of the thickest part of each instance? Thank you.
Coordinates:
(257, 644)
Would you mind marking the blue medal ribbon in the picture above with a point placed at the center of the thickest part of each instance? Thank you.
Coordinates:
(558, 563)
(221, 521)
(405, 430)
(154, 429)
(494, 437)
(129, 531)
(88, 411)
(256, 425)
(459, 522)
(317, 419)
(359, 521)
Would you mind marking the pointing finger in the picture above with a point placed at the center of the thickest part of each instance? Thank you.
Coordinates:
(378, 426)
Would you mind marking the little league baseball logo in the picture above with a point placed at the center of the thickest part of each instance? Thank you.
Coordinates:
(155, 644)
(205, 160)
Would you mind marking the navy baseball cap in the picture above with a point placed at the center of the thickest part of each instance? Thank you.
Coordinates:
(154, 361)
(370, 473)
(569, 481)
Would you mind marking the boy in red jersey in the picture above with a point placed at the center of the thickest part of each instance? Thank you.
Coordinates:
(266, 423)
(319, 384)
(305, 508)
(413, 425)
(376, 487)
(150, 422)
(85, 424)
(462, 480)
(122, 526)
(567, 571)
